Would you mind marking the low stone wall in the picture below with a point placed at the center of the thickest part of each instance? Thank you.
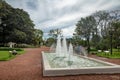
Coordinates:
(110, 69)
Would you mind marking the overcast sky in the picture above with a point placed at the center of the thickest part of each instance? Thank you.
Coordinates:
(62, 14)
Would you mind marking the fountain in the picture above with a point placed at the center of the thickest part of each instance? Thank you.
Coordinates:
(64, 62)
(80, 50)
(52, 48)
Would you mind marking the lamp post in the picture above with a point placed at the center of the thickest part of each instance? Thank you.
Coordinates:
(111, 36)
(111, 43)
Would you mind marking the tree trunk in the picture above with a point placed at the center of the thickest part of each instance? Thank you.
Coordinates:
(88, 44)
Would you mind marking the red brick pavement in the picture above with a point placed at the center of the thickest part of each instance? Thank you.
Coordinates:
(28, 66)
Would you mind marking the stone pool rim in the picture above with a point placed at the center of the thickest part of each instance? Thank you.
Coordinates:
(48, 71)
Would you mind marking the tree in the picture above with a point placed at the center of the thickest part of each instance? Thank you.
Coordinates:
(116, 33)
(15, 25)
(96, 29)
(55, 32)
(95, 40)
(38, 37)
(50, 41)
(101, 18)
(85, 27)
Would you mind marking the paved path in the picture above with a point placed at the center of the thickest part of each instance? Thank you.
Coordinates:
(28, 66)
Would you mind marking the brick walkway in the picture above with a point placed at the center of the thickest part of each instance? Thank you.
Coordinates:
(29, 67)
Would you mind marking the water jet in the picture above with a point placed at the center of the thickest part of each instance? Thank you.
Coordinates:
(64, 62)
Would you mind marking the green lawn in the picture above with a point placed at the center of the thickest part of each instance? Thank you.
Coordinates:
(4, 55)
(115, 55)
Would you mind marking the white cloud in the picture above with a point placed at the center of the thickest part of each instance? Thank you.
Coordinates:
(64, 3)
(63, 14)
(68, 32)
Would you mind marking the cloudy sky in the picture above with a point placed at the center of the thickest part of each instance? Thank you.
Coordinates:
(62, 14)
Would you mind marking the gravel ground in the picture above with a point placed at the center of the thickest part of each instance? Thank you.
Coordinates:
(28, 66)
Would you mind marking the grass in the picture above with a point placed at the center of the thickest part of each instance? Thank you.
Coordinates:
(5, 55)
(115, 54)
(10, 49)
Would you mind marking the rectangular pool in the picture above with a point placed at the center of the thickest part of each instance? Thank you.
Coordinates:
(73, 65)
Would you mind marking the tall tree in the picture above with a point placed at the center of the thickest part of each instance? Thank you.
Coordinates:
(85, 28)
(50, 41)
(55, 32)
(102, 18)
(116, 33)
(38, 40)
(15, 25)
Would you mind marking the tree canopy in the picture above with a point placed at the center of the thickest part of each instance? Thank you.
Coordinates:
(85, 27)
(15, 25)
(96, 29)
(55, 32)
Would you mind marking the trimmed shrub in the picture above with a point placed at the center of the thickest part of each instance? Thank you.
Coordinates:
(10, 49)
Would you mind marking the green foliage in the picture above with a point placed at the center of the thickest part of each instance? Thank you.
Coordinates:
(104, 44)
(24, 46)
(95, 40)
(78, 41)
(50, 41)
(18, 36)
(116, 34)
(5, 55)
(38, 37)
(101, 18)
(85, 27)
(93, 49)
(96, 29)
(115, 55)
(10, 49)
(55, 32)
(16, 25)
